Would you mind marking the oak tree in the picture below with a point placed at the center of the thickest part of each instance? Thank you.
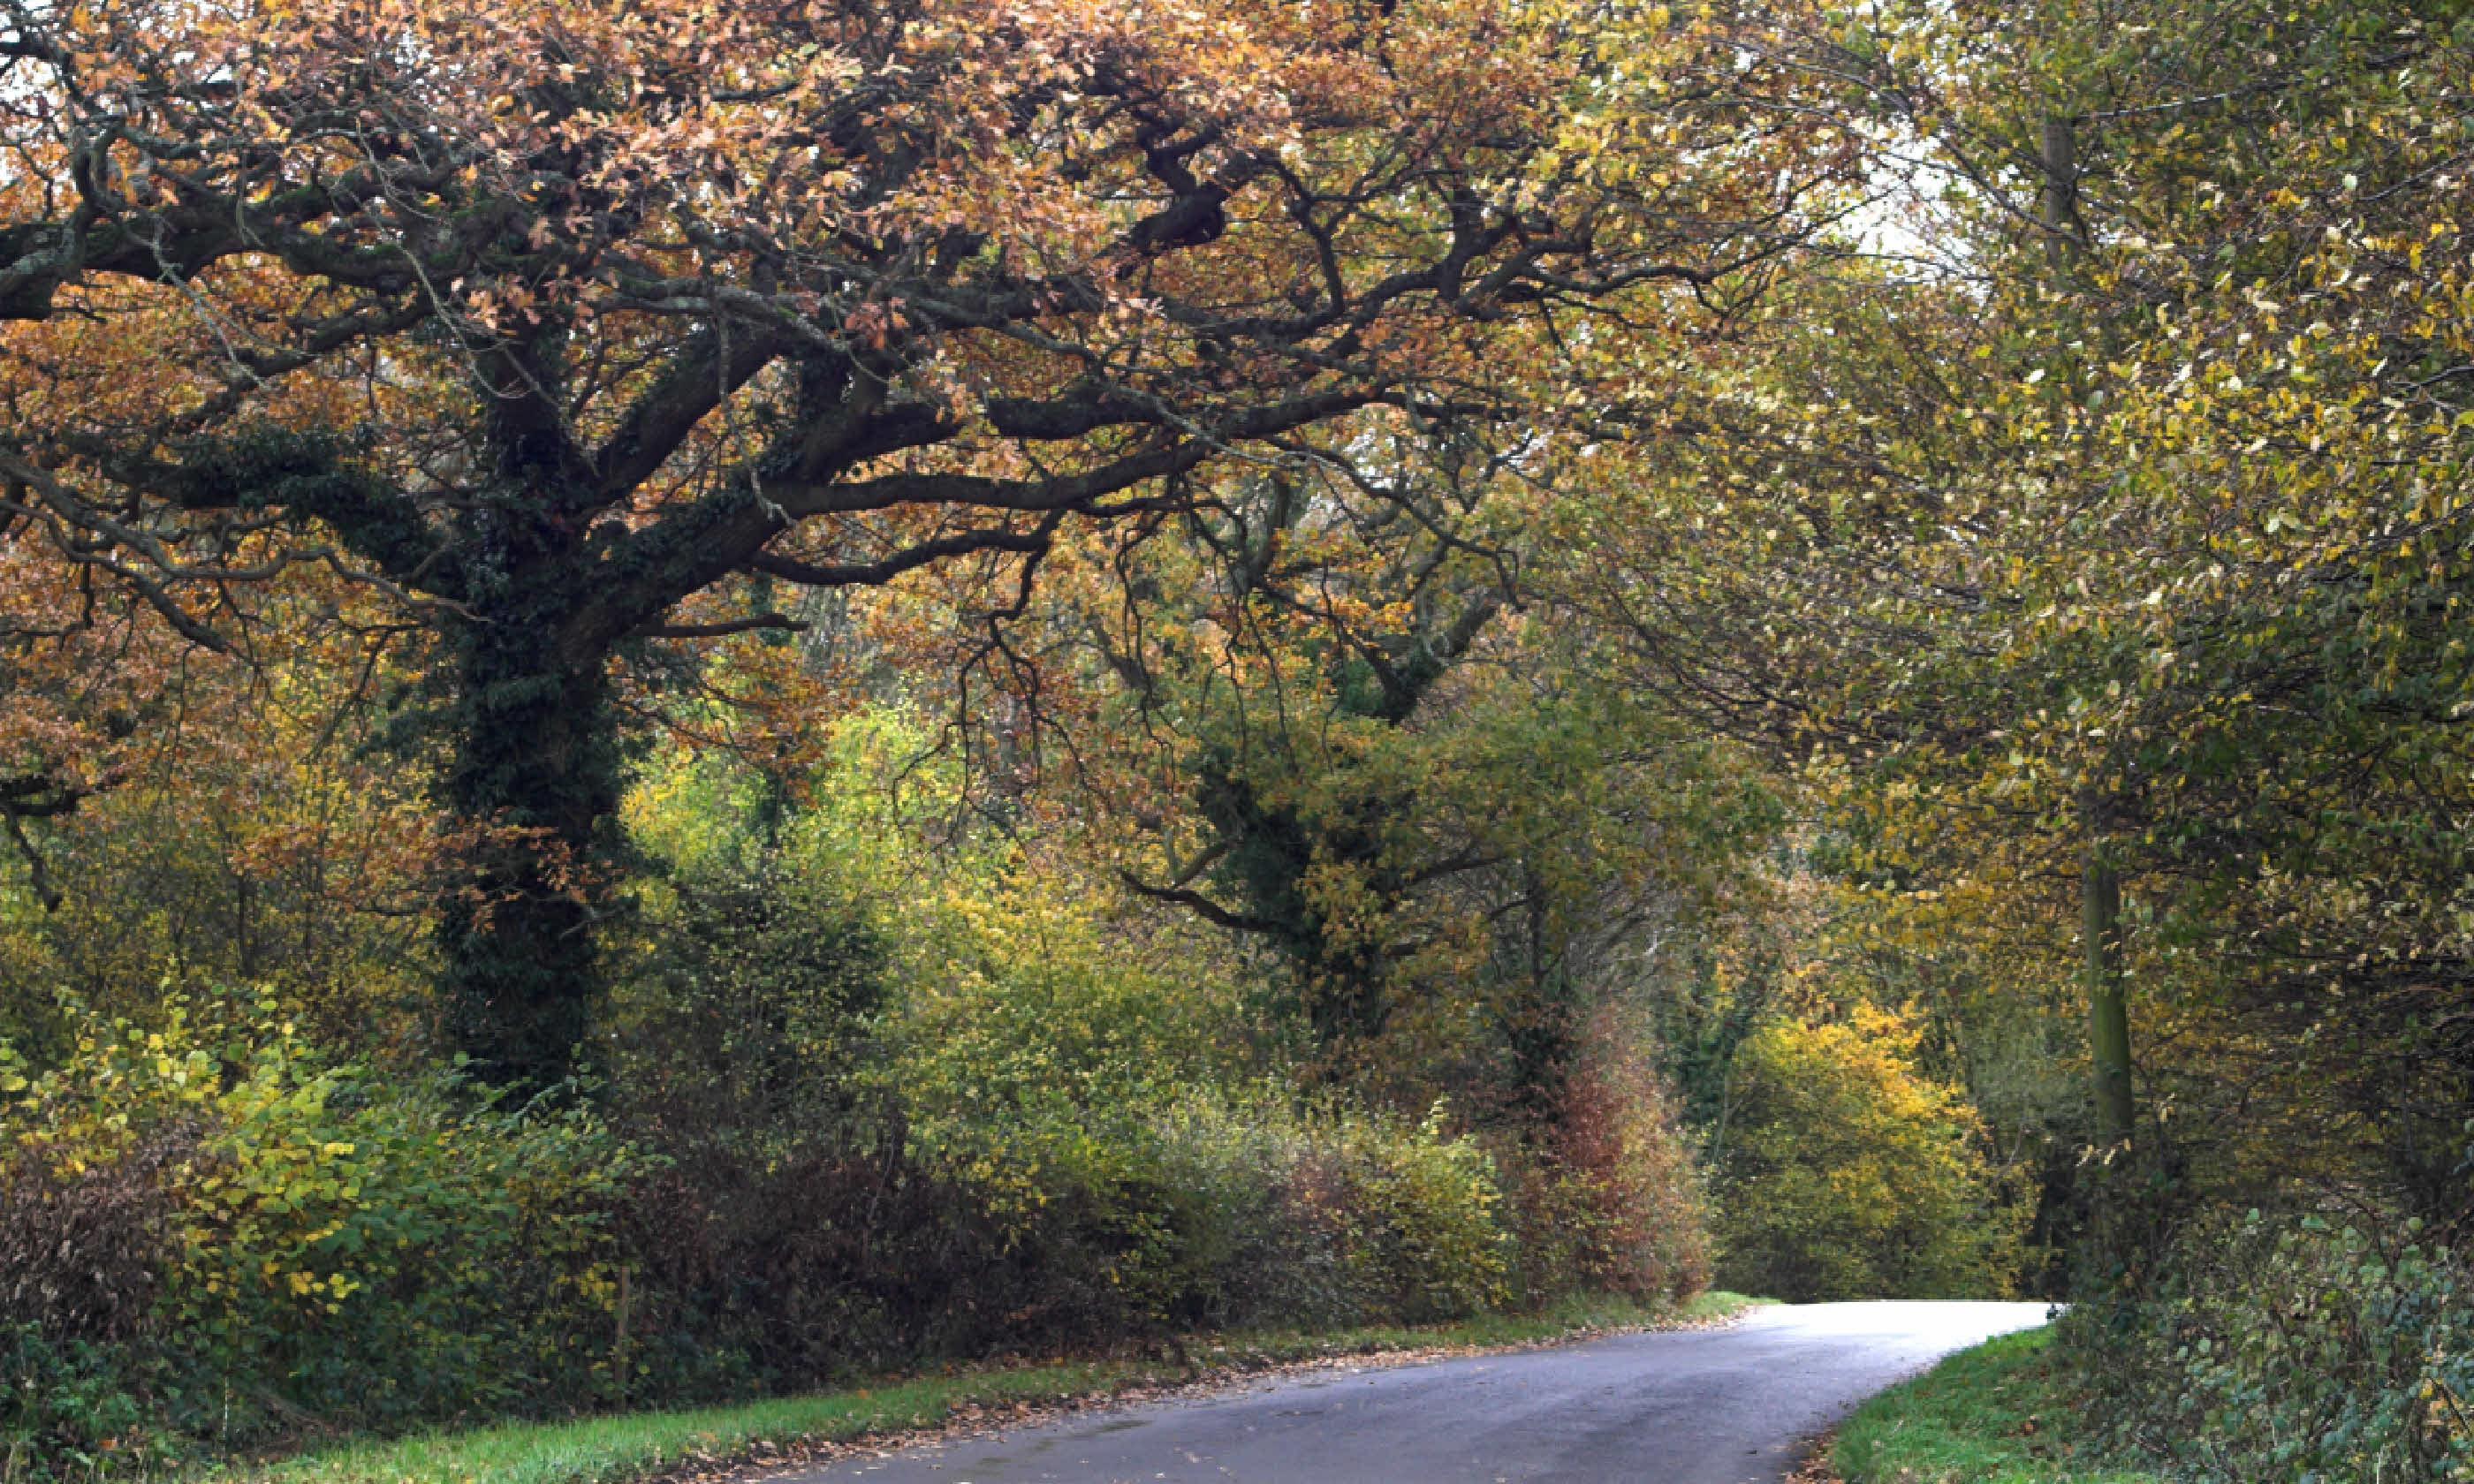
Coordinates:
(576, 330)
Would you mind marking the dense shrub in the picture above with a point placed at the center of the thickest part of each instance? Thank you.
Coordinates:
(777, 1240)
(83, 1252)
(831, 1254)
(1266, 1215)
(1065, 1065)
(280, 1243)
(1846, 1173)
(2290, 1350)
(984, 1121)
(1609, 1198)
(83, 1246)
(219, 1238)
(77, 1406)
(856, 1248)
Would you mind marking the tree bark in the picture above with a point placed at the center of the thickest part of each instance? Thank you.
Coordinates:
(2100, 880)
(2059, 198)
(2108, 1014)
(536, 773)
(538, 770)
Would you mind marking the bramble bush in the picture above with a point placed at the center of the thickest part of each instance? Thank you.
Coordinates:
(2293, 1350)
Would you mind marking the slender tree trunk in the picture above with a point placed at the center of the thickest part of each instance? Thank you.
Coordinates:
(2100, 880)
(2108, 1015)
(2061, 190)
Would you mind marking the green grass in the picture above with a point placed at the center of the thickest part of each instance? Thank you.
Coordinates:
(1996, 1414)
(645, 1444)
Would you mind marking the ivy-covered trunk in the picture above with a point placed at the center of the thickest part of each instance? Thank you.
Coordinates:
(537, 771)
(535, 778)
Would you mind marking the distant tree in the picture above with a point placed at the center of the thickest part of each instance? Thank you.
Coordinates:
(1847, 1174)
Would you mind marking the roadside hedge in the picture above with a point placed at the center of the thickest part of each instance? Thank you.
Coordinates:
(215, 1238)
(2296, 1350)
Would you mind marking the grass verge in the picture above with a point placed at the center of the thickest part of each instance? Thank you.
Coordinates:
(1996, 1414)
(631, 1447)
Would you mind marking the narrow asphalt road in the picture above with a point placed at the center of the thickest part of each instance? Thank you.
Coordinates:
(1699, 1406)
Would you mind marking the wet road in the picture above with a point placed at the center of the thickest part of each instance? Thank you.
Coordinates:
(1704, 1406)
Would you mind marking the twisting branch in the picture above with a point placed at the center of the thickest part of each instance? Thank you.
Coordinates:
(715, 631)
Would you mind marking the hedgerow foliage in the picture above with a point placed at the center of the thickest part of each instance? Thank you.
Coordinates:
(216, 1238)
(2276, 1347)
(1009, 1115)
(266, 1239)
(1615, 1202)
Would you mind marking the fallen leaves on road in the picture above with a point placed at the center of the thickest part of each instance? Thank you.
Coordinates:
(1815, 1467)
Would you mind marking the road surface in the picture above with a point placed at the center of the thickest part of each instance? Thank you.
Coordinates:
(1695, 1406)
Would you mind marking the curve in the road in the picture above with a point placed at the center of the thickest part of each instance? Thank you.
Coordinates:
(1703, 1406)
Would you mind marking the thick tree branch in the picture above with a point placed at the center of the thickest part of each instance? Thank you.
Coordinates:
(723, 630)
(870, 574)
(700, 375)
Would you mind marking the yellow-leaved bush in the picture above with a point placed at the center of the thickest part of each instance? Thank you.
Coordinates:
(317, 1241)
(1845, 1172)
